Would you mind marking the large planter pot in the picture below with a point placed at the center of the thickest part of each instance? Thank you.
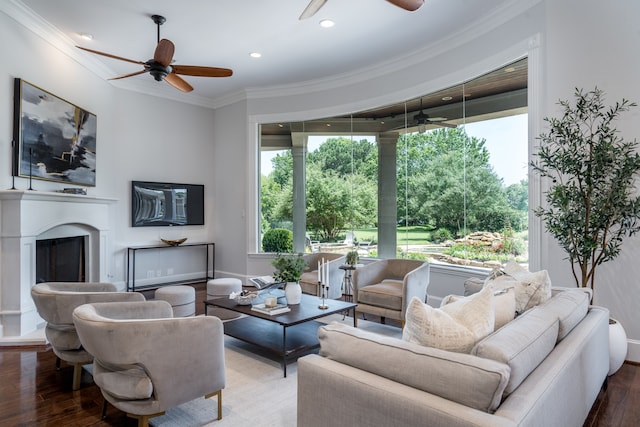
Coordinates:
(293, 293)
(617, 346)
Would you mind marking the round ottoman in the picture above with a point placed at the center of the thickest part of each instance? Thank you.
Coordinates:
(181, 298)
(221, 288)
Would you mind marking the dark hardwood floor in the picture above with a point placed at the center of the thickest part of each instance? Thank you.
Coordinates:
(34, 393)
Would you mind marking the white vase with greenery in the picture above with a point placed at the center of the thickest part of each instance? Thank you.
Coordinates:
(289, 268)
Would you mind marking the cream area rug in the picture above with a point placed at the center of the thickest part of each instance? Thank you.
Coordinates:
(256, 393)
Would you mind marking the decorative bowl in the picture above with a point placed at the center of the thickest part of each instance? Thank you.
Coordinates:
(245, 299)
(174, 242)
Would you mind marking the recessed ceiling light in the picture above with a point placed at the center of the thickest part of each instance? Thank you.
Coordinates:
(86, 36)
(255, 55)
(509, 70)
(447, 98)
(327, 23)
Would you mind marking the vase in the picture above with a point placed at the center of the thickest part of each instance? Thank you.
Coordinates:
(617, 346)
(293, 293)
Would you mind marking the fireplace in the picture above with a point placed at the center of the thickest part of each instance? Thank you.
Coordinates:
(29, 217)
(60, 260)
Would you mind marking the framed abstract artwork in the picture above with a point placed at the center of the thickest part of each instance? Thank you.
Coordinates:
(56, 140)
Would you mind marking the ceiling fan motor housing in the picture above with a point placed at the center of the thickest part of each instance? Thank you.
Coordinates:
(156, 69)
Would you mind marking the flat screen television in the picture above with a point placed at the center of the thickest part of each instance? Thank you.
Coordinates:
(156, 204)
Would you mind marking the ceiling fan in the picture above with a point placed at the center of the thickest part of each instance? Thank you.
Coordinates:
(315, 5)
(422, 120)
(161, 68)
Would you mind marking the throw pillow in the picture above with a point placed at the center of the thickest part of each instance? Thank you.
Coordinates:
(472, 286)
(454, 327)
(530, 288)
(504, 305)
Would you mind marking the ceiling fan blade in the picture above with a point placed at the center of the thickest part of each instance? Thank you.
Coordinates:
(97, 52)
(194, 70)
(178, 82)
(124, 76)
(164, 52)
(409, 5)
(444, 124)
(311, 9)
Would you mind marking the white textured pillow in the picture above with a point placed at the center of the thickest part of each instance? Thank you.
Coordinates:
(504, 305)
(454, 327)
(504, 302)
(530, 289)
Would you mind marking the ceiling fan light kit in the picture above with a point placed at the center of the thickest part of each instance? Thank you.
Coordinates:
(160, 67)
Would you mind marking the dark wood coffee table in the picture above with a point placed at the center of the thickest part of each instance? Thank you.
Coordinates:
(288, 335)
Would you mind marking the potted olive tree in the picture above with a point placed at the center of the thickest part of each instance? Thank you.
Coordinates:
(592, 202)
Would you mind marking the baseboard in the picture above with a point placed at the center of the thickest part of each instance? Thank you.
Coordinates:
(633, 351)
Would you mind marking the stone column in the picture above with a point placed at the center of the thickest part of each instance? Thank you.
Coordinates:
(387, 191)
(298, 152)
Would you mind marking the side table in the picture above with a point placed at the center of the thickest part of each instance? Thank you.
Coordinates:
(347, 281)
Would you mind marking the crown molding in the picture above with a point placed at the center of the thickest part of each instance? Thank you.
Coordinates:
(494, 20)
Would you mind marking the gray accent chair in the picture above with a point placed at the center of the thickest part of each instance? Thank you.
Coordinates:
(384, 288)
(309, 278)
(55, 302)
(146, 361)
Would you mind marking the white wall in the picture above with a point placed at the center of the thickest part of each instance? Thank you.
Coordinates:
(139, 138)
(591, 43)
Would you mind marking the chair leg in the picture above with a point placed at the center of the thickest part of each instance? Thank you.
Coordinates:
(355, 319)
(57, 363)
(143, 420)
(104, 409)
(383, 320)
(219, 395)
(77, 375)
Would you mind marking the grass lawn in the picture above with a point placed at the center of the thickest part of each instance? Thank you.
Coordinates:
(412, 235)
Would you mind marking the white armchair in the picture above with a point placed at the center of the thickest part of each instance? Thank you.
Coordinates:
(145, 361)
(384, 288)
(55, 302)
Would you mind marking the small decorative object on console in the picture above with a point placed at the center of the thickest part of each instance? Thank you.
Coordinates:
(174, 242)
(72, 190)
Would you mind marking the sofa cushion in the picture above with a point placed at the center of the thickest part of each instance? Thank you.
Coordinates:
(386, 294)
(131, 383)
(471, 381)
(570, 306)
(454, 327)
(522, 344)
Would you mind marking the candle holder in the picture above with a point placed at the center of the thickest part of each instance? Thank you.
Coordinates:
(323, 305)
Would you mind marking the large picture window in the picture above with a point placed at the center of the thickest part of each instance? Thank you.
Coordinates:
(442, 176)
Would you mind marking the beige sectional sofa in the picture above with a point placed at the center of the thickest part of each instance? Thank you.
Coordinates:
(544, 368)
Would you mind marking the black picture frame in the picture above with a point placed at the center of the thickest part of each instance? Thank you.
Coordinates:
(56, 140)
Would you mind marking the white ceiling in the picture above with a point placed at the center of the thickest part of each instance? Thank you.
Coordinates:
(222, 33)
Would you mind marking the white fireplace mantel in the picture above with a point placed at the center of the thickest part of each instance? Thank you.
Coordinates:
(25, 216)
